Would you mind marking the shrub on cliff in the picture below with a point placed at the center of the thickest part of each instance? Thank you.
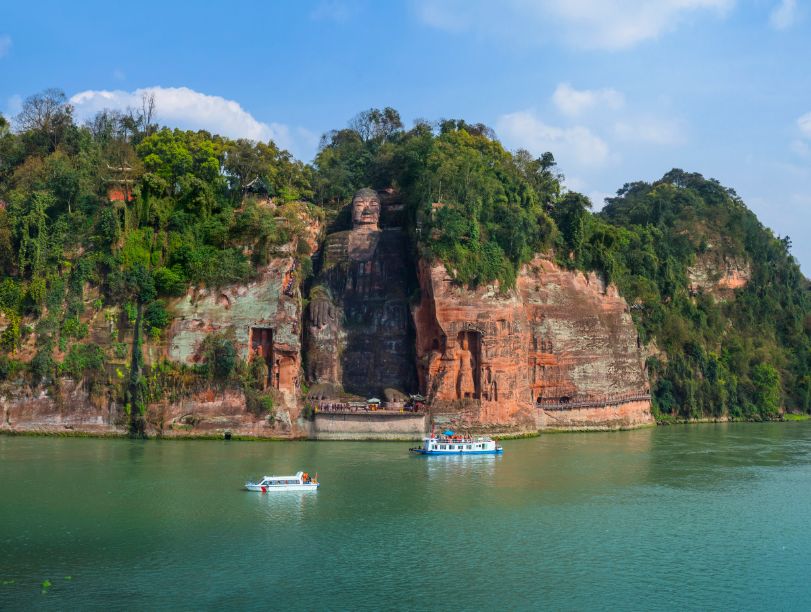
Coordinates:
(260, 403)
(156, 317)
(83, 360)
(43, 365)
(220, 357)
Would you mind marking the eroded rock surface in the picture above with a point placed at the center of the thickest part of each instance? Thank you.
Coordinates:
(718, 275)
(69, 407)
(472, 350)
(584, 345)
(262, 319)
(560, 336)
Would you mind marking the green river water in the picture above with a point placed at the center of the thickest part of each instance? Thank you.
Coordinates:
(700, 517)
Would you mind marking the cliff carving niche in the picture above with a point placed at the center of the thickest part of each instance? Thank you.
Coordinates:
(468, 358)
(359, 336)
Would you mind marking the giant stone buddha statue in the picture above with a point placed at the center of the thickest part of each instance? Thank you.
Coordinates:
(359, 335)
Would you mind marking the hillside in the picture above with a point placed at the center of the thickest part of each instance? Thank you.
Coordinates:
(111, 231)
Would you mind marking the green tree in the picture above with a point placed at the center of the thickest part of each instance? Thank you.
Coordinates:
(766, 381)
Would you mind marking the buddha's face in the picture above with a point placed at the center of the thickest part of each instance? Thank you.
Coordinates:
(365, 211)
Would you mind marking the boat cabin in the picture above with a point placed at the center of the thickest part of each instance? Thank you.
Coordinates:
(457, 444)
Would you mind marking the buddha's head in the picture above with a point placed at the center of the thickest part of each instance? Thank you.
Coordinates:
(366, 209)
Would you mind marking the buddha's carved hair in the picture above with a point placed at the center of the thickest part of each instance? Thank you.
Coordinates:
(366, 194)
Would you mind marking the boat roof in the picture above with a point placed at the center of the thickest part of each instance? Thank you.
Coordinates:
(297, 475)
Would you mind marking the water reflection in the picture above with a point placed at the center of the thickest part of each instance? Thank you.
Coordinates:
(284, 507)
(456, 467)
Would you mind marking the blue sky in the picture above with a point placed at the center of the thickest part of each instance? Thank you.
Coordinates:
(618, 90)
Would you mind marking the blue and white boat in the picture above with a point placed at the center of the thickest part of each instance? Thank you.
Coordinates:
(449, 443)
(302, 481)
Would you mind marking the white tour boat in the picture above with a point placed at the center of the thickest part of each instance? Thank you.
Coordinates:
(451, 444)
(302, 481)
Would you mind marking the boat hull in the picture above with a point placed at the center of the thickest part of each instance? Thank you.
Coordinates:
(275, 488)
(422, 451)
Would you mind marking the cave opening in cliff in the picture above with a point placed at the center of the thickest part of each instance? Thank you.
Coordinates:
(261, 343)
(468, 351)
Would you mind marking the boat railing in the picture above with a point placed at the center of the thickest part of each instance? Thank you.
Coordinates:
(590, 402)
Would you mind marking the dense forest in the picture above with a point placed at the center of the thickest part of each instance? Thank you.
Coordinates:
(138, 213)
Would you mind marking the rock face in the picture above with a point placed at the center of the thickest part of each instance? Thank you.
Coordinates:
(211, 413)
(472, 351)
(71, 408)
(262, 319)
(584, 345)
(559, 337)
(359, 333)
(66, 408)
(719, 275)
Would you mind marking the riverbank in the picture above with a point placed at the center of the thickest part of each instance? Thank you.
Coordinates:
(305, 433)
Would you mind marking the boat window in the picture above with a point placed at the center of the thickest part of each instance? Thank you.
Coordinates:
(469, 446)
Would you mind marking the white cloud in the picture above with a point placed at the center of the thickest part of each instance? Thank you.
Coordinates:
(576, 145)
(804, 123)
(590, 24)
(189, 109)
(651, 130)
(619, 24)
(573, 102)
(783, 15)
(5, 44)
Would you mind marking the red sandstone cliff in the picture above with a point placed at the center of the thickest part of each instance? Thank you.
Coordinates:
(560, 337)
